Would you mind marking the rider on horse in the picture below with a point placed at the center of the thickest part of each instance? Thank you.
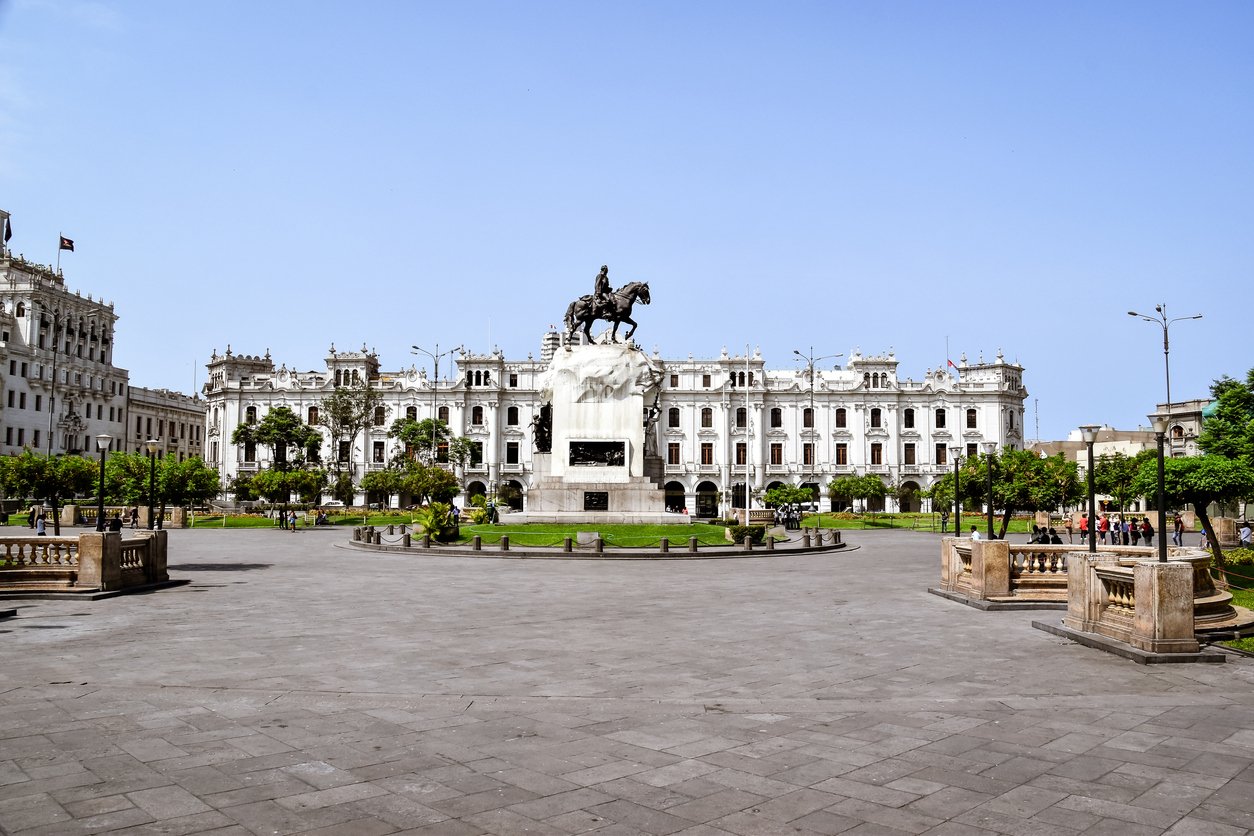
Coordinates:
(601, 290)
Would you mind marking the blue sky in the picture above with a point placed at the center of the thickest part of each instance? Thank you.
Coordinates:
(287, 175)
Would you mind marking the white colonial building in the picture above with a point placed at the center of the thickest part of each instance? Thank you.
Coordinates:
(715, 423)
(59, 388)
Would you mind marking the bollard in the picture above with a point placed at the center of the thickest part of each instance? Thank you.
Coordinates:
(405, 541)
(598, 545)
(391, 530)
(426, 539)
(566, 544)
(805, 539)
(818, 536)
(692, 544)
(748, 542)
(664, 546)
(356, 534)
(770, 543)
(476, 543)
(504, 542)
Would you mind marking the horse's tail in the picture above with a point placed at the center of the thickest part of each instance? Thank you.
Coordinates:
(570, 317)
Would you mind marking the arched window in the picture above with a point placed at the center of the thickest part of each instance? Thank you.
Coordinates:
(742, 378)
(907, 419)
(250, 415)
(971, 419)
(866, 379)
(807, 418)
(940, 418)
(487, 378)
(750, 378)
(1177, 432)
(742, 417)
(215, 416)
(476, 416)
(877, 417)
(380, 415)
(411, 413)
(707, 417)
(477, 378)
(511, 416)
(672, 417)
(875, 380)
(777, 417)
(313, 416)
(842, 419)
(356, 376)
(339, 375)
(733, 378)
(443, 414)
(21, 309)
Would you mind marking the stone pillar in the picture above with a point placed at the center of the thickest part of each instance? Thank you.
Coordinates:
(1164, 608)
(178, 518)
(155, 561)
(990, 569)
(68, 514)
(100, 561)
(1086, 595)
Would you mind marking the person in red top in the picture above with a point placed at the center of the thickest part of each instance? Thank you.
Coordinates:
(1084, 528)
(1103, 526)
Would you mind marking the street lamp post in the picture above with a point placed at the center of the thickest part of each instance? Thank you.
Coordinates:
(1160, 433)
(1089, 433)
(152, 445)
(435, 379)
(102, 444)
(1160, 318)
(810, 360)
(956, 451)
(990, 447)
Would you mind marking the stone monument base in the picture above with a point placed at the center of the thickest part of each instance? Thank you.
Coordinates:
(604, 495)
(595, 518)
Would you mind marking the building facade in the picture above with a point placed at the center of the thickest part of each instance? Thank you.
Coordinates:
(59, 387)
(716, 424)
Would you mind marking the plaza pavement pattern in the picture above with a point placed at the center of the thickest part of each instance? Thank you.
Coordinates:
(296, 686)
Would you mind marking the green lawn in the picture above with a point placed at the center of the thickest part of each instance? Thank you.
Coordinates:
(914, 522)
(623, 536)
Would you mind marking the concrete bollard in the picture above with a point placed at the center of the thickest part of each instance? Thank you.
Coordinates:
(476, 543)
(405, 541)
(818, 536)
(426, 540)
(664, 546)
(805, 539)
(770, 543)
(356, 534)
(391, 530)
(566, 544)
(692, 544)
(504, 542)
(748, 542)
(378, 538)
(598, 545)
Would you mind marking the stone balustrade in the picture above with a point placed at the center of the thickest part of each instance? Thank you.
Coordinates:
(90, 562)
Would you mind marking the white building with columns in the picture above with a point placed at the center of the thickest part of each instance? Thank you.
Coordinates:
(716, 421)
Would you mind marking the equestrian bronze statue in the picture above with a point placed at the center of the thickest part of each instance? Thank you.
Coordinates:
(612, 307)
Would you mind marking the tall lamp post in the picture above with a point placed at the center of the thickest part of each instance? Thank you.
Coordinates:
(810, 360)
(1160, 318)
(1089, 433)
(152, 445)
(102, 444)
(956, 451)
(435, 379)
(990, 447)
(1160, 433)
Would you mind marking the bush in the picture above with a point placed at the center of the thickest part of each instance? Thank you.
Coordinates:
(1239, 557)
(757, 533)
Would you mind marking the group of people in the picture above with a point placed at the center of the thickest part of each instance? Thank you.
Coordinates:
(1124, 531)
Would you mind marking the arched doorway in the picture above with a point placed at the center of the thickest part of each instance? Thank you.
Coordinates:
(476, 489)
(813, 488)
(707, 499)
(514, 496)
(738, 495)
(908, 500)
(674, 496)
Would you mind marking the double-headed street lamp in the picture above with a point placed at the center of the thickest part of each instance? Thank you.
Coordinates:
(810, 360)
(152, 444)
(990, 447)
(955, 450)
(1088, 432)
(435, 379)
(1160, 318)
(102, 444)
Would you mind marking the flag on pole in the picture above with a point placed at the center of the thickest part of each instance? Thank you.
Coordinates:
(947, 360)
(67, 244)
(8, 229)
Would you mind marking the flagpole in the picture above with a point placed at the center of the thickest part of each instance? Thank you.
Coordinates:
(60, 238)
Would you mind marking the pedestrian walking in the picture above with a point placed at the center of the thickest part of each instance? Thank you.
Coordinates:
(1070, 532)
(1243, 537)
(1147, 532)
(135, 517)
(1177, 530)
(1134, 531)
(1084, 528)
(41, 525)
(1103, 528)
(291, 521)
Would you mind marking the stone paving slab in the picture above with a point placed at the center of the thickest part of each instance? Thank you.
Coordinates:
(295, 686)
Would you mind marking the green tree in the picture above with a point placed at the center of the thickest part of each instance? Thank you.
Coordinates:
(423, 438)
(242, 486)
(842, 489)
(126, 478)
(381, 484)
(428, 483)
(53, 479)
(788, 495)
(1199, 481)
(288, 437)
(1230, 431)
(345, 413)
(187, 482)
(1114, 475)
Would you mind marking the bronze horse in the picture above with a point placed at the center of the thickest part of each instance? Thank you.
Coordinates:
(583, 311)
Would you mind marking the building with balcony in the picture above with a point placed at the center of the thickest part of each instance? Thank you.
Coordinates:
(717, 423)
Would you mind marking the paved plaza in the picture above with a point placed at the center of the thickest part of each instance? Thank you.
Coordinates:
(296, 686)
